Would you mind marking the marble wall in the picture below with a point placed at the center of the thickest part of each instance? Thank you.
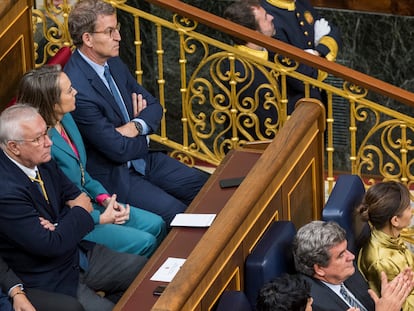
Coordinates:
(379, 45)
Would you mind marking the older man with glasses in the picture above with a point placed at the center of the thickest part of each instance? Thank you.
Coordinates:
(44, 217)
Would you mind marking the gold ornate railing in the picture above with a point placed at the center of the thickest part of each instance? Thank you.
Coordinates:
(196, 80)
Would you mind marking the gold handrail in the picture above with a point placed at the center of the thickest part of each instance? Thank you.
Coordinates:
(206, 106)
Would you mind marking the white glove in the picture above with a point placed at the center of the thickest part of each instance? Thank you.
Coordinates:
(313, 52)
(321, 29)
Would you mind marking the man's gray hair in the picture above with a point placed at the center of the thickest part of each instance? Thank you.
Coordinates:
(312, 244)
(10, 120)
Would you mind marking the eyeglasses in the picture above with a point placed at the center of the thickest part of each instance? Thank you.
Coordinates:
(39, 140)
(110, 30)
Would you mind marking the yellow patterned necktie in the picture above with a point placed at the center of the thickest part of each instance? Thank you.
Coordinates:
(41, 185)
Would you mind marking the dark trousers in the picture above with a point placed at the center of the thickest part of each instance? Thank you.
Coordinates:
(44, 301)
(167, 188)
(4, 302)
(109, 272)
(48, 301)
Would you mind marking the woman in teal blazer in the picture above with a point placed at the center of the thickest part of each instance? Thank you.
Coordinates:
(121, 228)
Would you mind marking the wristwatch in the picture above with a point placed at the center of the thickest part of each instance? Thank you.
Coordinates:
(139, 127)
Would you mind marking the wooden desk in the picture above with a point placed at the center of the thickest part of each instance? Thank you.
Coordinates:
(181, 241)
(284, 181)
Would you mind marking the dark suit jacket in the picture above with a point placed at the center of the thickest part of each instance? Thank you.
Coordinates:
(43, 259)
(299, 32)
(324, 299)
(8, 278)
(97, 115)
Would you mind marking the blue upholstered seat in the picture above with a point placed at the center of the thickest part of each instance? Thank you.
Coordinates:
(270, 258)
(272, 255)
(346, 195)
(233, 300)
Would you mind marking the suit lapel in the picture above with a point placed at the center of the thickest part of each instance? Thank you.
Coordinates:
(324, 298)
(60, 143)
(97, 83)
(359, 288)
(54, 203)
(74, 134)
(39, 201)
(41, 204)
(120, 79)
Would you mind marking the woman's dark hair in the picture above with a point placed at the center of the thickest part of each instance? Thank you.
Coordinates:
(383, 201)
(40, 88)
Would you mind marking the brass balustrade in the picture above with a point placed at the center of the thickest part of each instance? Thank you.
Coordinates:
(213, 113)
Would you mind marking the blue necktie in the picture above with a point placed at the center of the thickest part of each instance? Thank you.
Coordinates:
(351, 301)
(83, 260)
(138, 164)
(115, 93)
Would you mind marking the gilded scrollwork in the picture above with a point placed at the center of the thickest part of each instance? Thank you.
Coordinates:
(184, 23)
(230, 101)
(227, 98)
(354, 91)
(386, 149)
(50, 28)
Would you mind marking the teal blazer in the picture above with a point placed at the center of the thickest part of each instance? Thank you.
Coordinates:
(73, 167)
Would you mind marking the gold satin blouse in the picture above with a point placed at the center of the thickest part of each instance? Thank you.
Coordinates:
(388, 254)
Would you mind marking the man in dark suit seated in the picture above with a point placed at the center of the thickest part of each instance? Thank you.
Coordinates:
(12, 292)
(321, 256)
(115, 115)
(44, 216)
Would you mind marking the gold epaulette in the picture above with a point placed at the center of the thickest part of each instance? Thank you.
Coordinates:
(283, 4)
(332, 46)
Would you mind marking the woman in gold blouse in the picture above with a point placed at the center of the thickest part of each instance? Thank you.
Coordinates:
(386, 207)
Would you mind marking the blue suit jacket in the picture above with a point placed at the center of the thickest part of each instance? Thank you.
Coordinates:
(74, 167)
(324, 299)
(97, 115)
(43, 259)
(8, 278)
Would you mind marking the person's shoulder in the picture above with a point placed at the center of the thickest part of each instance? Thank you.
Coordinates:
(50, 166)
(72, 63)
(67, 117)
(116, 63)
(307, 278)
(357, 280)
(316, 285)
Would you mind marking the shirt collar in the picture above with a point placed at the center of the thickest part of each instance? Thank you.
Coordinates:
(30, 172)
(99, 69)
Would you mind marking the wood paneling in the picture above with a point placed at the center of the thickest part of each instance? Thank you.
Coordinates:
(16, 49)
(396, 7)
(284, 183)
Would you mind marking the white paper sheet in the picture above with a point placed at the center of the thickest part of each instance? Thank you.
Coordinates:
(168, 270)
(192, 220)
